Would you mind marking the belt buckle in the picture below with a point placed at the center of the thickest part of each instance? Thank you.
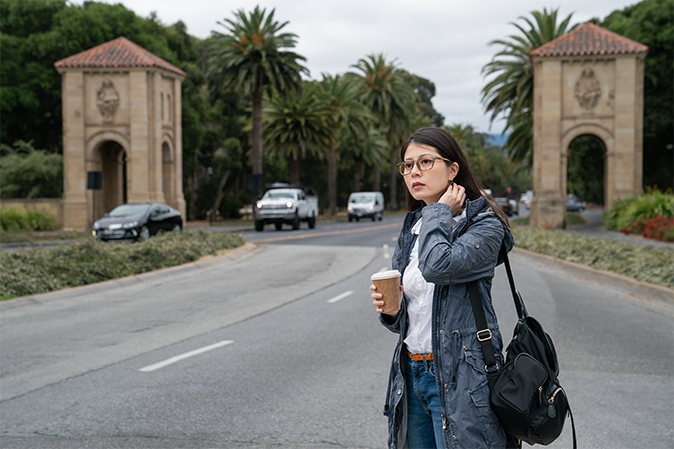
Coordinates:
(485, 337)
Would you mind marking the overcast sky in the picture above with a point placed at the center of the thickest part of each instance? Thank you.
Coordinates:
(445, 41)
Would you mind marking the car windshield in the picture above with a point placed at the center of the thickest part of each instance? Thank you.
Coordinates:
(278, 195)
(129, 209)
(360, 199)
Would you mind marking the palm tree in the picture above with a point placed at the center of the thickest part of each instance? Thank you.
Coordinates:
(297, 122)
(351, 119)
(250, 59)
(371, 151)
(392, 102)
(511, 91)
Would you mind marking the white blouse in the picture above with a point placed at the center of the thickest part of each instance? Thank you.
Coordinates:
(419, 295)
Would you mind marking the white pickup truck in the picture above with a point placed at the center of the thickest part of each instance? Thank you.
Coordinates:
(290, 205)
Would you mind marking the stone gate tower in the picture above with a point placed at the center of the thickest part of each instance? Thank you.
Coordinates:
(122, 117)
(587, 82)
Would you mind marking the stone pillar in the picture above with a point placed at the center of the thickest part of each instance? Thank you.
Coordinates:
(138, 161)
(178, 195)
(75, 216)
(548, 204)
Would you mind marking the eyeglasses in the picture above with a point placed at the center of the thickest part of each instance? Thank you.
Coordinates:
(423, 164)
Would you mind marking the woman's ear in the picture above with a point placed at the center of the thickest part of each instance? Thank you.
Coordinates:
(453, 171)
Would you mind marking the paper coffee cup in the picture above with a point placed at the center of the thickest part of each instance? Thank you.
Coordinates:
(388, 284)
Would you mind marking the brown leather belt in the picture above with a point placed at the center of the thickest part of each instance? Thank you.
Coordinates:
(420, 357)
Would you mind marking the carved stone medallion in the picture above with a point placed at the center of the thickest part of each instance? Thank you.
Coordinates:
(107, 100)
(588, 90)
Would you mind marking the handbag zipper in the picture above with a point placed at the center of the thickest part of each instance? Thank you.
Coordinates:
(552, 398)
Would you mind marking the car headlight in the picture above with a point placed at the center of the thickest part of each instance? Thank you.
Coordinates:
(289, 204)
(96, 225)
(258, 205)
(371, 207)
(350, 208)
(131, 224)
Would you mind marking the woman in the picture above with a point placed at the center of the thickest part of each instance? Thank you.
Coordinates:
(438, 394)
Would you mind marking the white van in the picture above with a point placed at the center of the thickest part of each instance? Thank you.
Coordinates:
(366, 205)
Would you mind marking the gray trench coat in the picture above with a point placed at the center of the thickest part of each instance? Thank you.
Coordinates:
(451, 262)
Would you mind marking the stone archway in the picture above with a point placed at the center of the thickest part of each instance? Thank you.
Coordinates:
(111, 162)
(589, 81)
(586, 169)
(121, 116)
(167, 164)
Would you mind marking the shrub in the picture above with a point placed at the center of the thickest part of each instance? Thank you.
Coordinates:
(89, 260)
(30, 173)
(649, 204)
(644, 263)
(660, 228)
(15, 220)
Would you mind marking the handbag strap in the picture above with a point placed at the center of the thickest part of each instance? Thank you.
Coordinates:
(517, 298)
(483, 332)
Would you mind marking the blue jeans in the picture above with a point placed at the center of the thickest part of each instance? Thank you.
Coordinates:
(424, 421)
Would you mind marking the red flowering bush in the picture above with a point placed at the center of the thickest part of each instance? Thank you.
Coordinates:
(636, 227)
(660, 228)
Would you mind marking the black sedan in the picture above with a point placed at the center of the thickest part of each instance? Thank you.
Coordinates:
(504, 204)
(134, 221)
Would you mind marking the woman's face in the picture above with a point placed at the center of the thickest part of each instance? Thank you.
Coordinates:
(429, 185)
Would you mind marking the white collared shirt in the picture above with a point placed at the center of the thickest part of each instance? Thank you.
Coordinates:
(419, 295)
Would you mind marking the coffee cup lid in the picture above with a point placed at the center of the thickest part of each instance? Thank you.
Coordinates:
(385, 275)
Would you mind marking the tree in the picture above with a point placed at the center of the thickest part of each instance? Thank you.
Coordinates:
(371, 151)
(425, 91)
(30, 173)
(351, 118)
(392, 102)
(251, 59)
(652, 23)
(510, 92)
(37, 33)
(491, 166)
(297, 122)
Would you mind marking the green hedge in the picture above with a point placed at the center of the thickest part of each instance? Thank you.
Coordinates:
(644, 263)
(89, 260)
(15, 220)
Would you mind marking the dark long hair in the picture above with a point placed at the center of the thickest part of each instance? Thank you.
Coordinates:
(445, 144)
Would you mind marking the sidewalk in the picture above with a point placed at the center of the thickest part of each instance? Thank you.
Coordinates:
(595, 228)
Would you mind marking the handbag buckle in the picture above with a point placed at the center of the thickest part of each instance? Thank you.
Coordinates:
(495, 369)
(486, 335)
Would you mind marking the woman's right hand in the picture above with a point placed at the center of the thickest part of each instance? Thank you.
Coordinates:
(378, 303)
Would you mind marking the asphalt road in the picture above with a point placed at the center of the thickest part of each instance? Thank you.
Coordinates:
(280, 347)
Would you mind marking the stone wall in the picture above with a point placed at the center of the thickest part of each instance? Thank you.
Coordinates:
(53, 206)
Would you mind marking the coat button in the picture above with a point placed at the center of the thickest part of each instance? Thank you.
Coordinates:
(400, 391)
(477, 245)
(442, 331)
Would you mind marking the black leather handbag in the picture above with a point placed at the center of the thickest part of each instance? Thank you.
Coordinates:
(526, 395)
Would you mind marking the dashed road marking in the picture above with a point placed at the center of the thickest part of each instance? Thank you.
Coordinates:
(340, 297)
(177, 358)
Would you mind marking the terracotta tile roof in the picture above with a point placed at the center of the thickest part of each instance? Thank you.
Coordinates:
(119, 52)
(589, 40)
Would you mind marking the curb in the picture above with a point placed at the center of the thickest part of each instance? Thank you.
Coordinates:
(650, 291)
(233, 254)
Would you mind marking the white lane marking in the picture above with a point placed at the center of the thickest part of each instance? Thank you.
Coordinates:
(394, 239)
(383, 269)
(177, 358)
(387, 256)
(385, 246)
(340, 297)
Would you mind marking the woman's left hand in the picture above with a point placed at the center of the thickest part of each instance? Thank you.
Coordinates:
(454, 197)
